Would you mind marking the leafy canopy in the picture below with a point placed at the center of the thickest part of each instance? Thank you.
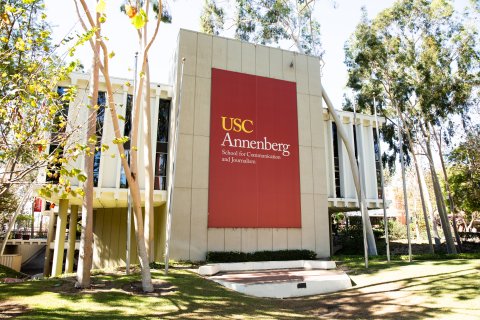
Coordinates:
(31, 110)
(419, 58)
(464, 172)
(266, 22)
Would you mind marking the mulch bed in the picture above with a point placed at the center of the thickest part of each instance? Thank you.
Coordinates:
(160, 288)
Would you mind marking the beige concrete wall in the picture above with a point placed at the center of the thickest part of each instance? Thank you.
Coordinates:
(191, 238)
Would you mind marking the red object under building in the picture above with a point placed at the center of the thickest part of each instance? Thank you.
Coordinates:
(38, 205)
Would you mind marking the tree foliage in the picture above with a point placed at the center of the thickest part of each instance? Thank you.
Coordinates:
(420, 61)
(417, 57)
(30, 106)
(267, 22)
(8, 205)
(464, 172)
(211, 18)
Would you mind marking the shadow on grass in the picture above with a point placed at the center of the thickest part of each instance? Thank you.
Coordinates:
(398, 297)
(198, 298)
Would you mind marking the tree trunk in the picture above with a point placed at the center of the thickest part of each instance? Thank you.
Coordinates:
(85, 255)
(470, 225)
(420, 187)
(132, 178)
(14, 218)
(447, 188)
(32, 226)
(439, 199)
(428, 202)
(417, 227)
(372, 247)
(148, 159)
(131, 171)
(139, 233)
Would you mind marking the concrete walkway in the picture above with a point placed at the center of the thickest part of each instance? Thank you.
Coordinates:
(284, 283)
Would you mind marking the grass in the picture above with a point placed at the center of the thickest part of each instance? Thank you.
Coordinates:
(6, 272)
(446, 289)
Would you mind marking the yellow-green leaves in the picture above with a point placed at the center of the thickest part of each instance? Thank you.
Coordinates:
(101, 6)
(20, 44)
(81, 177)
(120, 140)
(140, 19)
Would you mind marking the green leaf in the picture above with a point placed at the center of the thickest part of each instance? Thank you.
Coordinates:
(79, 191)
(120, 140)
(140, 19)
(81, 177)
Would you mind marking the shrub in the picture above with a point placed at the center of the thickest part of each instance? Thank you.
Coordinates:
(280, 255)
(396, 230)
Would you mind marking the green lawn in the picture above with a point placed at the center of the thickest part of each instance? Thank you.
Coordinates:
(443, 289)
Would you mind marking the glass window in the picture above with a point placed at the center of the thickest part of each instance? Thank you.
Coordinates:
(126, 132)
(336, 162)
(355, 142)
(53, 169)
(163, 115)
(160, 181)
(378, 158)
(101, 102)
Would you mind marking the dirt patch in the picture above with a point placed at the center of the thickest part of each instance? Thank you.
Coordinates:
(160, 288)
(67, 286)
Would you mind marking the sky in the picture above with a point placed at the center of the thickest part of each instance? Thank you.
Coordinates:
(338, 19)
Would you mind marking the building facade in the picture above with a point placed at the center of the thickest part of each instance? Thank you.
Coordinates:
(258, 164)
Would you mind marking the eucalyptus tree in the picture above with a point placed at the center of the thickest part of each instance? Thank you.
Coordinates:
(419, 59)
(138, 13)
(212, 18)
(85, 254)
(266, 22)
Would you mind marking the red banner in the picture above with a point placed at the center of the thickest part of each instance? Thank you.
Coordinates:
(37, 206)
(254, 168)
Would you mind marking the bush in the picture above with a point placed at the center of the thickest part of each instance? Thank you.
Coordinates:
(351, 239)
(281, 255)
(396, 230)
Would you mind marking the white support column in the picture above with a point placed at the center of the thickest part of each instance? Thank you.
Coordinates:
(60, 238)
(361, 154)
(370, 163)
(329, 157)
(48, 257)
(347, 185)
(72, 237)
